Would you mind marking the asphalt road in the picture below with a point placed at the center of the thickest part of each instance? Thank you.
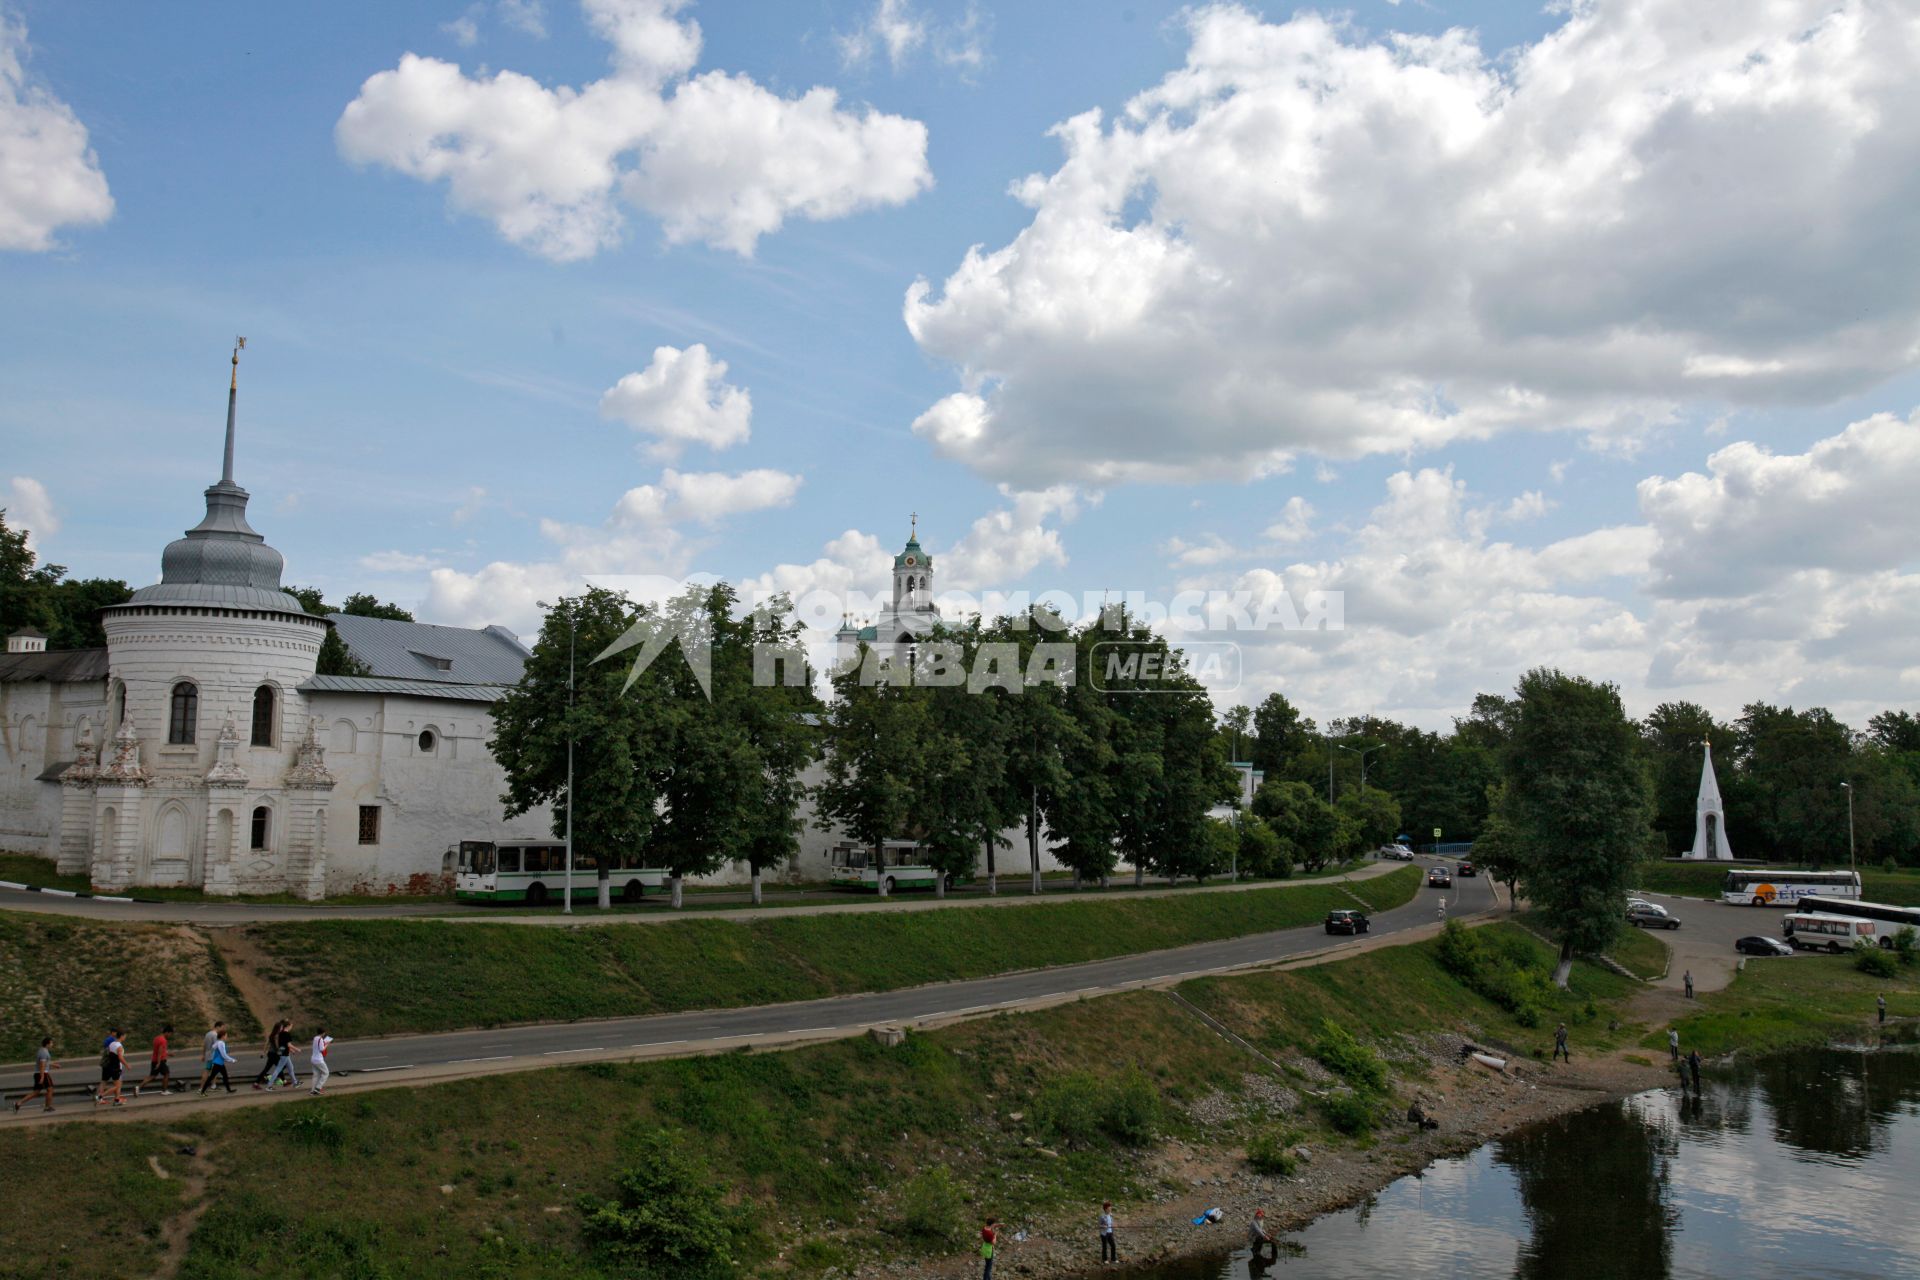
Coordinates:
(545, 1044)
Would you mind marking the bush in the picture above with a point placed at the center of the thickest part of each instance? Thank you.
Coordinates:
(1906, 943)
(1080, 1108)
(1351, 1112)
(1504, 971)
(1876, 961)
(932, 1208)
(1271, 1152)
(310, 1127)
(668, 1211)
(1347, 1058)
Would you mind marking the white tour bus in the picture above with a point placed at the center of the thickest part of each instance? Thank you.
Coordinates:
(1815, 930)
(1888, 919)
(1764, 887)
(535, 872)
(851, 867)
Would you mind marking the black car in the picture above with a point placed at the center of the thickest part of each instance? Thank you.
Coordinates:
(1757, 945)
(1347, 920)
(1439, 878)
(1468, 869)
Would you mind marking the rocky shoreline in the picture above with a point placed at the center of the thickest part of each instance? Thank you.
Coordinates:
(1472, 1105)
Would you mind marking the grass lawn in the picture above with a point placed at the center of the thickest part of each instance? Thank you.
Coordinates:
(1703, 880)
(841, 1154)
(72, 979)
(1640, 952)
(376, 977)
(1789, 1001)
(26, 868)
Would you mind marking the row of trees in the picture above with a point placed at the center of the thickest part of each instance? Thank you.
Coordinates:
(1780, 771)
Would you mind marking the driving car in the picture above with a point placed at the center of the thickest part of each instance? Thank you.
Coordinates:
(1757, 945)
(1651, 915)
(1439, 878)
(1468, 869)
(1396, 852)
(1347, 920)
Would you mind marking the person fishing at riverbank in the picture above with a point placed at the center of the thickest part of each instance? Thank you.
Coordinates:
(1109, 1250)
(1264, 1246)
(989, 1236)
(1693, 1066)
(1560, 1049)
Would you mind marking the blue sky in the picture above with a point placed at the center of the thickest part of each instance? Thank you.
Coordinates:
(1190, 327)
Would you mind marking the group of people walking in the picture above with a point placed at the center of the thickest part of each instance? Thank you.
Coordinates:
(1265, 1248)
(216, 1058)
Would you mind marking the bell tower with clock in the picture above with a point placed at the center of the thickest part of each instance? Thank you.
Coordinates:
(913, 576)
(912, 614)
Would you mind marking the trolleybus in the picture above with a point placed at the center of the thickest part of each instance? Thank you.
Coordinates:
(535, 872)
(852, 866)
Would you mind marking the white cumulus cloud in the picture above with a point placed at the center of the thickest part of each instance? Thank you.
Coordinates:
(714, 157)
(1306, 240)
(49, 176)
(681, 398)
(29, 507)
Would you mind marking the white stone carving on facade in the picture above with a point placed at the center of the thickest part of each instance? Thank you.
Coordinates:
(226, 771)
(125, 769)
(309, 771)
(86, 759)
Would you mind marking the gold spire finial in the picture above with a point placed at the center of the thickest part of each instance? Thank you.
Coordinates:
(239, 345)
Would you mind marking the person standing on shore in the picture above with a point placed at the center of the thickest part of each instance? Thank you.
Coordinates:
(1560, 1049)
(1263, 1245)
(1881, 1003)
(43, 1065)
(317, 1057)
(1693, 1065)
(1673, 1044)
(989, 1236)
(1109, 1251)
(1688, 979)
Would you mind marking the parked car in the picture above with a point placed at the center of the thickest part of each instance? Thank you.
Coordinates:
(1347, 920)
(1651, 915)
(1396, 852)
(1439, 878)
(1468, 869)
(1756, 945)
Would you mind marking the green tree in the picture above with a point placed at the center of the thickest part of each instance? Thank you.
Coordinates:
(873, 729)
(41, 596)
(1577, 798)
(1309, 829)
(1260, 851)
(1372, 818)
(335, 658)
(1498, 850)
(1792, 764)
(362, 605)
(1236, 729)
(1281, 736)
(1039, 728)
(77, 605)
(778, 713)
(617, 739)
(668, 1214)
(1670, 739)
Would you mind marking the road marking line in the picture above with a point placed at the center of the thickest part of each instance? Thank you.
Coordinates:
(498, 1057)
(598, 1048)
(807, 1031)
(367, 1071)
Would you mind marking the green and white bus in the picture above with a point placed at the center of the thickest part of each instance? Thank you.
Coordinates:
(535, 872)
(851, 866)
(1764, 887)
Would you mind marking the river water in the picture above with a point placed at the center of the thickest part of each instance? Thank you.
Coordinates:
(1803, 1164)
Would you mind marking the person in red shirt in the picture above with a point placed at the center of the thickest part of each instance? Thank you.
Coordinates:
(159, 1063)
(989, 1235)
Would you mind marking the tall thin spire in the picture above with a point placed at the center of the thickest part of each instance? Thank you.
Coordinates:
(233, 396)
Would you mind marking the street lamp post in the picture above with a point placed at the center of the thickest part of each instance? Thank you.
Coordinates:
(1363, 753)
(566, 904)
(1848, 788)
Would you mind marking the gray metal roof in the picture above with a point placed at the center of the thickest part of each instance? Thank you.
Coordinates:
(215, 595)
(411, 688)
(55, 666)
(422, 651)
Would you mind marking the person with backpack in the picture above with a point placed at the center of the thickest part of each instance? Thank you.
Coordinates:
(317, 1058)
(113, 1065)
(989, 1236)
(159, 1063)
(43, 1066)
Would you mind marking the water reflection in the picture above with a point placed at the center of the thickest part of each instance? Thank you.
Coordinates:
(1802, 1164)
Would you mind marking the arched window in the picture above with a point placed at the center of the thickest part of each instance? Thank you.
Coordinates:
(427, 742)
(185, 714)
(120, 706)
(262, 827)
(263, 716)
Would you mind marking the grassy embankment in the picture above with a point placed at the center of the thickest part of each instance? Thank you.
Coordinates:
(1703, 880)
(376, 977)
(1639, 952)
(1792, 1001)
(70, 977)
(832, 1155)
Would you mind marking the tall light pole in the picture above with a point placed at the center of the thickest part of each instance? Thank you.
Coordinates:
(566, 903)
(1363, 753)
(1848, 787)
